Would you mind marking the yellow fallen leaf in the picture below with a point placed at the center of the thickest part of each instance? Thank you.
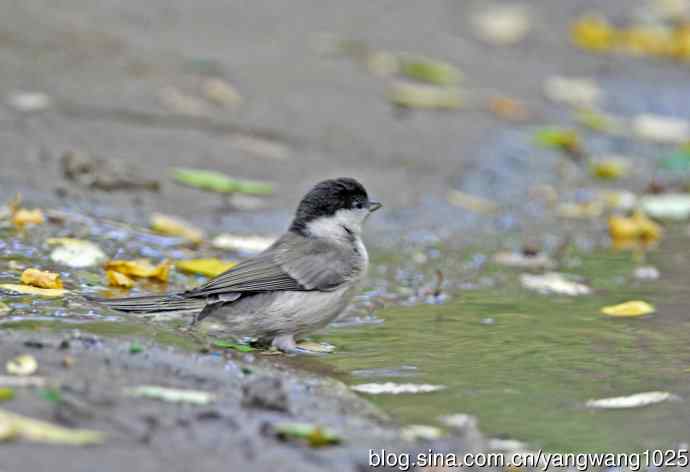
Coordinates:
(632, 308)
(22, 217)
(41, 279)
(41, 431)
(22, 366)
(208, 267)
(29, 290)
(118, 279)
(140, 268)
(593, 33)
(609, 168)
(597, 34)
(172, 226)
(630, 232)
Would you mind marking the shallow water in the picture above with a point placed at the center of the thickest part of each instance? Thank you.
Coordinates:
(526, 363)
(522, 362)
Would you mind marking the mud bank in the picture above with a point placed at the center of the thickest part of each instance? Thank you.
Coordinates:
(235, 432)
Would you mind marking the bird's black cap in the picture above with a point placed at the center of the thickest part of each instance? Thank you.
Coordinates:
(326, 198)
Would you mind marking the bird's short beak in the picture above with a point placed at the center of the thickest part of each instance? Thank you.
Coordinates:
(373, 206)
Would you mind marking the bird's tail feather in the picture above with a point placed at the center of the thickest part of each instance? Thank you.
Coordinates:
(151, 303)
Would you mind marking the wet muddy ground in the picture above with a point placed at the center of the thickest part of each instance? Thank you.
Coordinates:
(236, 431)
(303, 117)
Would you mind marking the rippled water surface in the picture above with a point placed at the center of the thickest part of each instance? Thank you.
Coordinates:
(525, 363)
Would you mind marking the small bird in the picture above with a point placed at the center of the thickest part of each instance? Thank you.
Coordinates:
(299, 284)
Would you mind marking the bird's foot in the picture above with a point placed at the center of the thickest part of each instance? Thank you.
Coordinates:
(288, 345)
(285, 343)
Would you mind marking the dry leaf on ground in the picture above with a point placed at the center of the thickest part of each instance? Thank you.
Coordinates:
(171, 226)
(140, 268)
(633, 232)
(29, 290)
(118, 279)
(41, 279)
(23, 217)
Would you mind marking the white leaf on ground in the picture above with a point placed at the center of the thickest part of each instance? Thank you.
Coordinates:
(554, 283)
(22, 366)
(662, 129)
(29, 101)
(667, 206)
(173, 395)
(76, 252)
(575, 91)
(395, 388)
(502, 25)
(632, 401)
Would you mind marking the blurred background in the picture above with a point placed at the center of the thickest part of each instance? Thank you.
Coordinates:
(288, 93)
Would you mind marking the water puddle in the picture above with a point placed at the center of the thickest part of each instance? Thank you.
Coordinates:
(526, 363)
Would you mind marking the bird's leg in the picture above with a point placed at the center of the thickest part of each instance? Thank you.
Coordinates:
(286, 343)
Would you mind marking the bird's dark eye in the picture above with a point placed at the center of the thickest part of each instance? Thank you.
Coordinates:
(359, 205)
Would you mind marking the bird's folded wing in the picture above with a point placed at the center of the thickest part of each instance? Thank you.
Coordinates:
(293, 263)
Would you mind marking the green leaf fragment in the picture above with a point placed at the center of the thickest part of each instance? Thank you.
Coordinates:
(316, 436)
(557, 138)
(135, 348)
(232, 345)
(219, 182)
(430, 70)
(6, 393)
(50, 394)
